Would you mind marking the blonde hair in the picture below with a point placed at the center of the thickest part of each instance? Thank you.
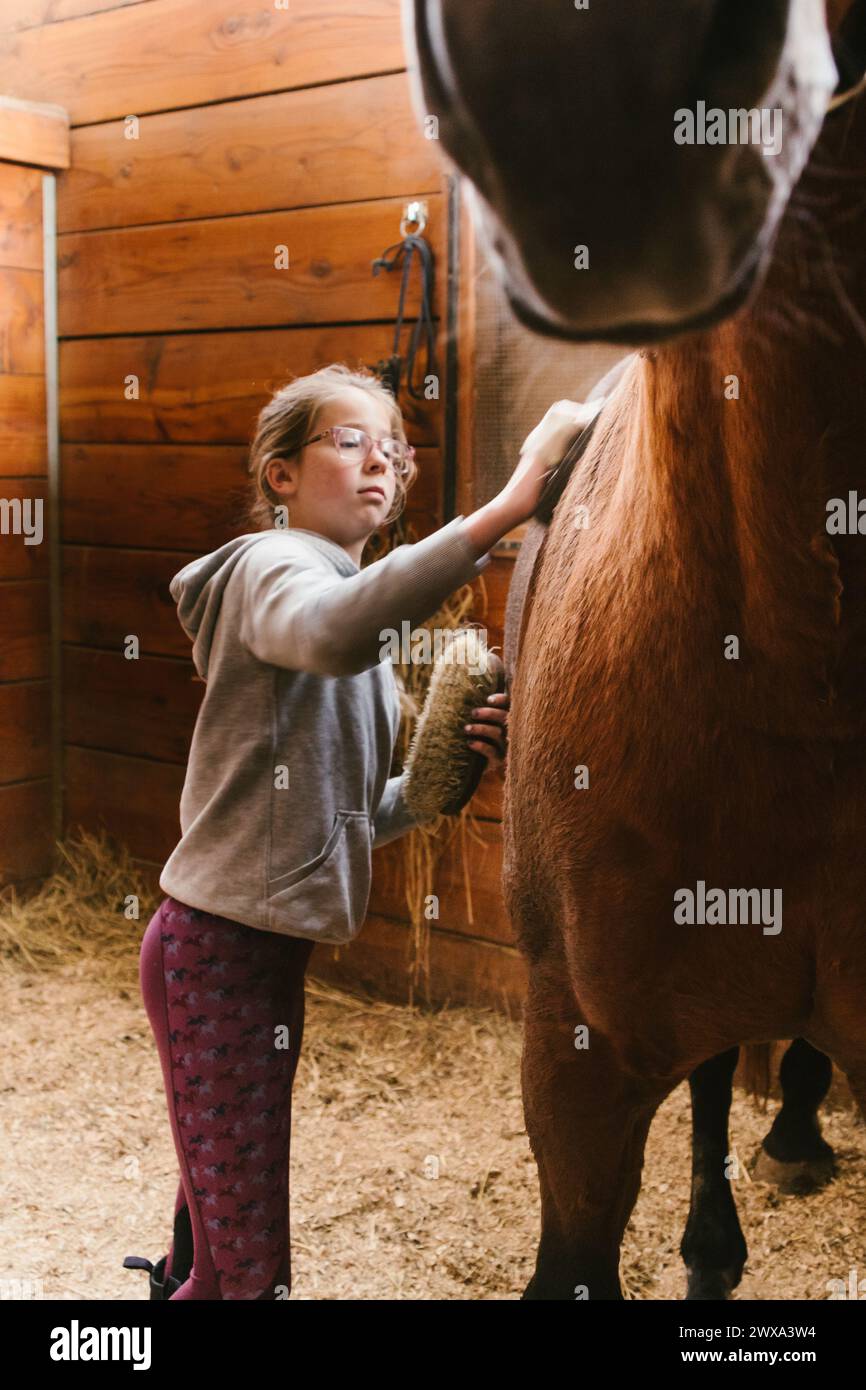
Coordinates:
(290, 417)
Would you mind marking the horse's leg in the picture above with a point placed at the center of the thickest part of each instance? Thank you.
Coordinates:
(712, 1247)
(793, 1155)
(587, 1124)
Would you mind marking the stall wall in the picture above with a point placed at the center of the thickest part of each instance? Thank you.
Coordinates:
(205, 138)
(33, 142)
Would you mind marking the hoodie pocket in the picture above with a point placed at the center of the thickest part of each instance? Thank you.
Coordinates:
(327, 897)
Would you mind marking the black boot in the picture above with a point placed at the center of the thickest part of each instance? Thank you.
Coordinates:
(160, 1286)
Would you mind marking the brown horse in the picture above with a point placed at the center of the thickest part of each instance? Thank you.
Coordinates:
(700, 650)
(688, 718)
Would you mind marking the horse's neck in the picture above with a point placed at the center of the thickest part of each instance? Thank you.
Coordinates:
(765, 421)
(748, 431)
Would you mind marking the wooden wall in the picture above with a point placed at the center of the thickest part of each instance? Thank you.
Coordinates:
(32, 140)
(254, 127)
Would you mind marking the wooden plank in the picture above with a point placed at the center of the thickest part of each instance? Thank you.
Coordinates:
(25, 831)
(22, 426)
(18, 560)
(25, 717)
(462, 971)
(481, 913)
(208, 388)
(220, 273)
(24, 626)
(144, 708)
(22, 327)
(34, 133)
(32, 14)
(170, 498)
(107, 592)
(136, 800)
(341, 143)
(20, 217)
(169, 53)
(188, 498)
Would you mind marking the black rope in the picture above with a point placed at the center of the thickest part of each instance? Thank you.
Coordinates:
(390, 369)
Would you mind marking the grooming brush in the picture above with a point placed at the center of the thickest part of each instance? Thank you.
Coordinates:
(441, 771)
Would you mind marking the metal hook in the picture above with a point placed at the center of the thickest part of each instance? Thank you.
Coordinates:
(415, 211)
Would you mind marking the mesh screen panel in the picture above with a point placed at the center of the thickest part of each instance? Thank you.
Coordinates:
(518, 376)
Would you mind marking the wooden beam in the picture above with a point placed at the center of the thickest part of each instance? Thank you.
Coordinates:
(33, 132)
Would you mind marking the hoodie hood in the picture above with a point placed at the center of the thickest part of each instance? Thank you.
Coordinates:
(198, 588)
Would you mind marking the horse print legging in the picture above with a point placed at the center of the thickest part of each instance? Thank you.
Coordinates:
(223, 1000)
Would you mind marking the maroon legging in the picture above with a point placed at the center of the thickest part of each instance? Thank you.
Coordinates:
(226, 1005)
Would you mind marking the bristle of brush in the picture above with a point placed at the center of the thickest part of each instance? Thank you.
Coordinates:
(440, 764)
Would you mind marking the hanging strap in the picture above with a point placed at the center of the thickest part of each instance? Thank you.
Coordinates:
(391, 369)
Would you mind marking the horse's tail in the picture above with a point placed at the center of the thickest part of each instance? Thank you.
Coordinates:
(756, 1058)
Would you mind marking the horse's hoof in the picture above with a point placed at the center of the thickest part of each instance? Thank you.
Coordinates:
(705, 1284)
(797, 1179)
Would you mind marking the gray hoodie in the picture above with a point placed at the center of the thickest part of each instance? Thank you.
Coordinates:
(287, 788)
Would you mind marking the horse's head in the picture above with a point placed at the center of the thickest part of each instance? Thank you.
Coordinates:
(630, 163)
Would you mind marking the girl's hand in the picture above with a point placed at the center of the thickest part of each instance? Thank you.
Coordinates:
(542, 450)
(492, 724)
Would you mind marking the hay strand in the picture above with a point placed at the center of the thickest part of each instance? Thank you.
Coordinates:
(94, 906)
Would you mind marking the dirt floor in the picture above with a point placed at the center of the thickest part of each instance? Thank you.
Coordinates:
(385, 1099)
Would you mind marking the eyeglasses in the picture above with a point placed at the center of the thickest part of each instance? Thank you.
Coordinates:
(355, 446)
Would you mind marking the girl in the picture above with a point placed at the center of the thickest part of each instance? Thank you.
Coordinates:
(286, 793)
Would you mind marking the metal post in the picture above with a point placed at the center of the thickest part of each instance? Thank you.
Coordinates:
(49, 265)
